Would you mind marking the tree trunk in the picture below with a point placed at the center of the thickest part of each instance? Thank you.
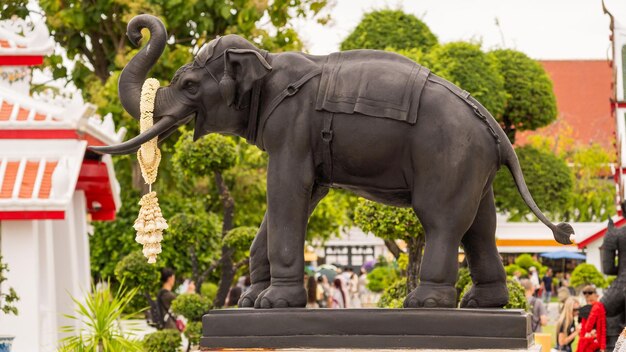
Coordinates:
(226, 262)
(415, 250)
(393, 248)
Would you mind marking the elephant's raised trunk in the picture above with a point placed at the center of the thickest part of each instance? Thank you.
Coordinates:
(134, 74)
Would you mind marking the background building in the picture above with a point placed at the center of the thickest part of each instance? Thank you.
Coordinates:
(51, 187)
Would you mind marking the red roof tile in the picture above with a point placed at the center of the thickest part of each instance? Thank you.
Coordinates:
(29, 180)
(5, 111)
(583, 90)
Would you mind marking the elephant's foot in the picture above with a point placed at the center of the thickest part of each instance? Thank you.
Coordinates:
(494, 295)
(248, 298)
(282, 296)
(431, 296)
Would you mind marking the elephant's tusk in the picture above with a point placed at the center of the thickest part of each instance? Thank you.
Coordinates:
(133, 144)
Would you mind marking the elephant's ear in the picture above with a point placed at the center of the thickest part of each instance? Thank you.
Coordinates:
(242, 67)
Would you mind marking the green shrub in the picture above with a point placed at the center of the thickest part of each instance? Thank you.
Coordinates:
(193, 332)
(512, 268)
(208, 290)
(610, 279)
(525, 261)
(587, 274)
(191, 305)
(394, 295)
(463, 279)
(135, 271)
(167, 340)
(517, 296)
(380, 278)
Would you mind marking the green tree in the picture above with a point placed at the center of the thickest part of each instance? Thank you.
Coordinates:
(465, 65)
(549, 180)
(587, 274)
(392, 29)
(7, 300)
(391, 224)
(530, 101)
(593, 198)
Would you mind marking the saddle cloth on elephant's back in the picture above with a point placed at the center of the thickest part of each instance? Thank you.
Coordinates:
(373, 83)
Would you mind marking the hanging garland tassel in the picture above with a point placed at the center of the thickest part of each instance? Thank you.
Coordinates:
(150, 222)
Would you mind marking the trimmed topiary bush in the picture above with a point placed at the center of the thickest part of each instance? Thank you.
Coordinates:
(208, 290)
(394, 295)
(380, 278)
(512, 268)
(587, 274)
(191, 305)
(393, 29)
(517, 296)
(162, 341)
(193, 332)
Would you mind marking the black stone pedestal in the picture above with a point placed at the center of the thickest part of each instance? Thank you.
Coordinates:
(367, 328)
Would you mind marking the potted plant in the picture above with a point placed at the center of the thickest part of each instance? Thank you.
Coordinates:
(7, 306)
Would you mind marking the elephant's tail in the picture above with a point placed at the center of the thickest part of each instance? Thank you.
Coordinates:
(563, 232)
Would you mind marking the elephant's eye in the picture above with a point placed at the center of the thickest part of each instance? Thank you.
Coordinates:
(191, 87)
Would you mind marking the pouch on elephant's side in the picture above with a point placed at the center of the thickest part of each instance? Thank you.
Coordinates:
(373, 83)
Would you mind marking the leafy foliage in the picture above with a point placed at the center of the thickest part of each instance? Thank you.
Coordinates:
(208, 154)
(525, 261)
(465, 65)
(191, 305)
(517, 296)
(167, 340)
(530, 102)
(549, 180)
(135, 271)
(393, 296)
(240, 237)
(385, 221)
(98, 318)
(7, 300)
(390, 29)
(463, 280)
(512, 268)
(193, 332)
(587, 274)
(208, 290)
(381, 277)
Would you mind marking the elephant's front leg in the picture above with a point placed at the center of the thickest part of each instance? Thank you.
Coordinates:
(289, 190)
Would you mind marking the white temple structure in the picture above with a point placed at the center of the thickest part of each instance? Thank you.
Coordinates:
(51, 187)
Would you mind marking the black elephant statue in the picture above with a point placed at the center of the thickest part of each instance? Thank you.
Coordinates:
(368, 121)
(613, 261)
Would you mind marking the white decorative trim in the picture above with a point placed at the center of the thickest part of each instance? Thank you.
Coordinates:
(3, 168)
(39, 178)
(17, 185)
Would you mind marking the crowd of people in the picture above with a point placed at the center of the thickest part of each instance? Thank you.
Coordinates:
(346, 291)
(587, 322)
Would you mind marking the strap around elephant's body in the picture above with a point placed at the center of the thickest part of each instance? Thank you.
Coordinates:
(291, 90)
(327, 155)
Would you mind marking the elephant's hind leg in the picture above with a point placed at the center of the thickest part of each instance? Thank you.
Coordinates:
(445, 219)
(488, 276)
(259, 267)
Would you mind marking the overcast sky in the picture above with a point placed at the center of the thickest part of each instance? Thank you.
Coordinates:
(543, 29)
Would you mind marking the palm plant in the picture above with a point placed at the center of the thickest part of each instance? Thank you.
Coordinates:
(98, 320)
